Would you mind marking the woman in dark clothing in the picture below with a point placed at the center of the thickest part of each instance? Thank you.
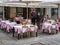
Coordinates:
(34, 16)
(38, 20)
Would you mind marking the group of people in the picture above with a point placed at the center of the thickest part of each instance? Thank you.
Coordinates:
(38, 18)
(35, 18)
(18, 20)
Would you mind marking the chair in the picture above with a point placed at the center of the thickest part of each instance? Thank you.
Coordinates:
(33, 31)
(8, 28)
(25, 31)
(19, 33)
(55, 28)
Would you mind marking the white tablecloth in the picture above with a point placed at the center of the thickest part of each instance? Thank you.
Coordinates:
(23, 29)
(47, 24)
(12, 24)
(52, 21)
(7, 24)
(18, 27)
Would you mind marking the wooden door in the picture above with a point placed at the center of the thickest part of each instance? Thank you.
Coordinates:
(12, 12)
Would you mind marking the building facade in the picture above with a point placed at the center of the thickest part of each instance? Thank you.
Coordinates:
(16, 11)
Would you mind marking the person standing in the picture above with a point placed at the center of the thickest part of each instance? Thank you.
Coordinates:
(34, 15)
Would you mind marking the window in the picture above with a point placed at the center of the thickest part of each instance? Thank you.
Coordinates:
(19, 11)
(54, 12)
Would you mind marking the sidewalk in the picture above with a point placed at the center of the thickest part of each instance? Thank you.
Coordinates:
(7, 39)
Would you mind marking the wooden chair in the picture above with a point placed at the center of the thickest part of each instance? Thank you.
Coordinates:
(25, 31)
(33, 33)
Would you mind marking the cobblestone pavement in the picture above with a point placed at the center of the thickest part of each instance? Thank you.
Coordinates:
(7, 39)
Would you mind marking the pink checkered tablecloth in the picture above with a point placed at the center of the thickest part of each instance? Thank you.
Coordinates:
(20, 28)
(50, 26)
(7, 24)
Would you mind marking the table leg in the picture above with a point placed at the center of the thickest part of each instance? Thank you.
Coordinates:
(59, 28)
(18, 36)
(36, 34)
(30, 34)
(13, 31)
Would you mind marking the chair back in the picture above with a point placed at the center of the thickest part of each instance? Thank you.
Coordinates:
(25, 29)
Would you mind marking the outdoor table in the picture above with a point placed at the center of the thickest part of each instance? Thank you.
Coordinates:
(10, 25)
(52, 21)
(7, 24)
(58, 23)
(50, 26)
(19, 29)
(3, 23)
(46, 26)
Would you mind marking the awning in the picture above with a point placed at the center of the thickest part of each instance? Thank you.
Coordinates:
(31, 0)
(49, 0)
(15, 4)
(52, 1)
(31, 4)
(42, 5)
(1, 3)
